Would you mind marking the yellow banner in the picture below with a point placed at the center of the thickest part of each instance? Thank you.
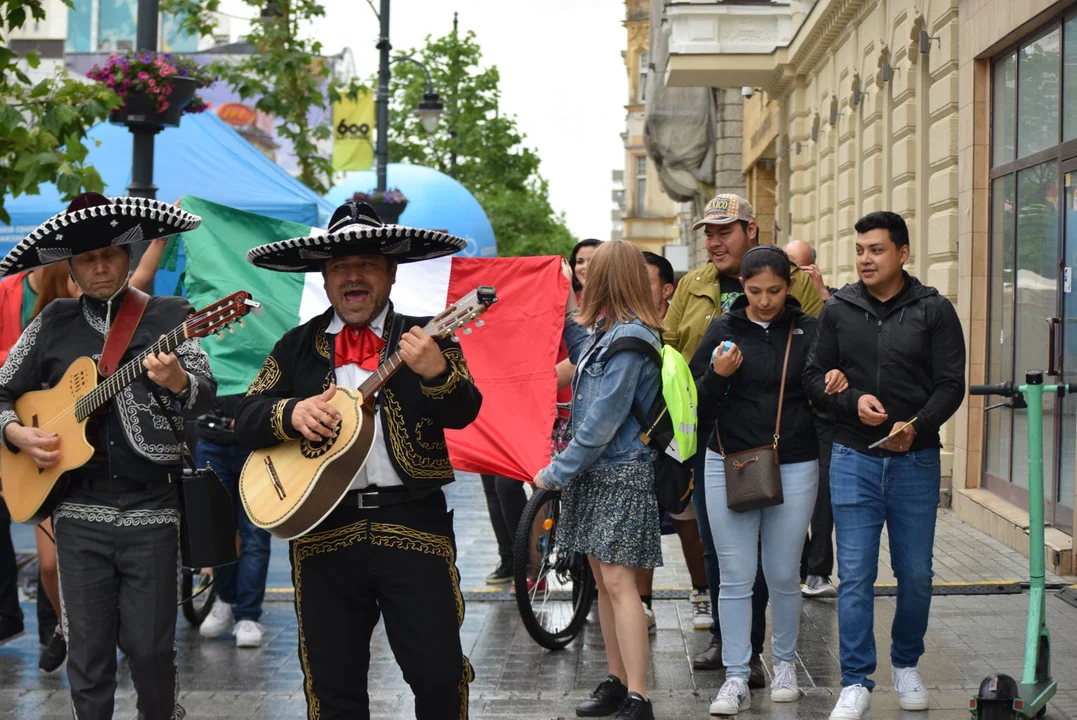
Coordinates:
(353, 133)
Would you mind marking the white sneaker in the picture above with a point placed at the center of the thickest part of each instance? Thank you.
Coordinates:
(248, 634)
(701, 610)
(732, 698)
(854, 704)
(912, 695)
(819, 586)
(652, 623)
(783, 686)
(218, 620)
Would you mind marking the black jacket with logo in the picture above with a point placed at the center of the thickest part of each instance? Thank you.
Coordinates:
(746, 403)
(908, 352)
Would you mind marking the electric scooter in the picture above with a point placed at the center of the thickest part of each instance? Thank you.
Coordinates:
(1001, 697)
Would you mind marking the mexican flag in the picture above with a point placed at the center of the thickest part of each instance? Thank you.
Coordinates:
(512, 355)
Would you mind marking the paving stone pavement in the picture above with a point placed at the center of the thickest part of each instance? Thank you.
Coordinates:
(969, 637)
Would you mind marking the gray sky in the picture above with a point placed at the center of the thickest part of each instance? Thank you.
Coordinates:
(562, 76)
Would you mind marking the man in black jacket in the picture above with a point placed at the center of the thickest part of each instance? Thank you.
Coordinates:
(901, 347)
(388, 549)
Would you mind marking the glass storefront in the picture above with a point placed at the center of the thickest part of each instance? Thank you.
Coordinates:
(116, 27)
(1033, 302)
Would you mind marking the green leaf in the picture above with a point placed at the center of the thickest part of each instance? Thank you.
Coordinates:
(33, 59)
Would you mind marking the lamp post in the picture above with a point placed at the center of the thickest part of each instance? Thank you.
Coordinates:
(429, 110)
(142, 142)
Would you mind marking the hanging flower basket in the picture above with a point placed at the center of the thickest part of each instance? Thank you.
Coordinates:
(389, 205)
(156, 88)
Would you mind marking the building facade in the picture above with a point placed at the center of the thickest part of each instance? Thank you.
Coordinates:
(961, 115)
(646, 216)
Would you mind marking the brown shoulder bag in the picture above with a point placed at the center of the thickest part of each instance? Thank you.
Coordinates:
(753, 478)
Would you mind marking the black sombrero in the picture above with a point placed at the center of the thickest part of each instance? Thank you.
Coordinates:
(355, 229)
(92, 222)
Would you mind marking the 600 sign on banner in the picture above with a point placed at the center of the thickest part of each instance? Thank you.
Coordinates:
(353, 147)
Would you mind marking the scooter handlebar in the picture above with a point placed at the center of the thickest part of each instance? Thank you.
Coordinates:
(1005, 389)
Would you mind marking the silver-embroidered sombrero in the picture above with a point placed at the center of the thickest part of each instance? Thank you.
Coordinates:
(94, 222)
(355, 229)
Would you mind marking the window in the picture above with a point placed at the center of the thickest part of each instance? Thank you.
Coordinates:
(78, 27)
(644, 71)
(1004, 110)
(116, 28)
(1038, 93)
(641, 185)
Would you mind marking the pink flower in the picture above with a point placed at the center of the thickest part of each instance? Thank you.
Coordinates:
(143, 76)
(164, 106)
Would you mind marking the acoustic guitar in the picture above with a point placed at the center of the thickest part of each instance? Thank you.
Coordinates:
(31, 493)
(290, 488)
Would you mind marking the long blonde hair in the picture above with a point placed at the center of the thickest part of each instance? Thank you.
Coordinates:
(618, 288)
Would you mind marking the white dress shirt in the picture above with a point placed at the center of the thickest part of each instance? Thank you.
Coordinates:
(378, 469)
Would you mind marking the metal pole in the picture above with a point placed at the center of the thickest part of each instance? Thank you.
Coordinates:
(382, 150)
(1034, 390)
(455, 92)
(142, 148)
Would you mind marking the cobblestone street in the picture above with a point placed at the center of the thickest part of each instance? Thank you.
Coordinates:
(970, 636)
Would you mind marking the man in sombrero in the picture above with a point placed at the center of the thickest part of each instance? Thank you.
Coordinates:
(117, 524)
(388, 549)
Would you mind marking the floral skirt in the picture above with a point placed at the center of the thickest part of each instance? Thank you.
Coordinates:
(611, 514)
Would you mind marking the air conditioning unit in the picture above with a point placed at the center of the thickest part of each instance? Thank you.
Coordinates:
(618, 177)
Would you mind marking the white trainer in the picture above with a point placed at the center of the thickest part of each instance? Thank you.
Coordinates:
(732, 698)
(652, 623)
(218, 620)
(701, 610)
(249, 634)
(854, 704)
(783, 687)
(912, 695)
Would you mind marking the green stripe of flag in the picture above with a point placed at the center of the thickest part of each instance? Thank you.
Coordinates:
(217, 267)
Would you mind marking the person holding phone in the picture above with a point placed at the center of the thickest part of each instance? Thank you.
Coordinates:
(900, 345)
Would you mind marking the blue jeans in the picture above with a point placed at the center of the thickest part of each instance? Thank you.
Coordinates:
(865, 492)
(779, 533)
(242, 585)
(760, 596)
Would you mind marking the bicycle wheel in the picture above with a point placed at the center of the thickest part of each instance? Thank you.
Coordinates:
(197, 593)
(554, 588)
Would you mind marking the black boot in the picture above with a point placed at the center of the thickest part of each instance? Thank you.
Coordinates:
(54, 654)
(709, 659)
(636, 708)
(757, 679)
(501, 575)
(607, 699)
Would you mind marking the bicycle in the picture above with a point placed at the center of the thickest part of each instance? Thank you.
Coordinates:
(554, 588)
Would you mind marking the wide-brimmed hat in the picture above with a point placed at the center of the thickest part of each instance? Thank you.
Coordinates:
(355, 229)
(93, 222)
(724, 209)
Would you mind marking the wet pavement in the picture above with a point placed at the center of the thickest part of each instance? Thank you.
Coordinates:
(970, 636)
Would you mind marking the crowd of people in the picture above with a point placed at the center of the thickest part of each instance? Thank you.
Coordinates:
(843, 390)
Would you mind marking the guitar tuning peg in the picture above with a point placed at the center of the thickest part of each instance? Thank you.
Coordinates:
(480, 323)
(220, 336)
(467, 331)
(242, 324)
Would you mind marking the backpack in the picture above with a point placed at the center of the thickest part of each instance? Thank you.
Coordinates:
(670, 425)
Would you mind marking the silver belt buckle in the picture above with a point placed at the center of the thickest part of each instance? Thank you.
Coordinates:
(362, 505)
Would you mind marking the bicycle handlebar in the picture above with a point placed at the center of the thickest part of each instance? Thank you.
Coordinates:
(1005, 389)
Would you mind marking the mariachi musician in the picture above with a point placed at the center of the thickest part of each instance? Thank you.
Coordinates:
(388, 548)
(117, 524)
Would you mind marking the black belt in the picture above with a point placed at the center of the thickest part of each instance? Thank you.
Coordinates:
(382, 497)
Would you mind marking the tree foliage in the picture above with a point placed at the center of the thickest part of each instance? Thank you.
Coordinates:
(285, 74)
(43, 124)
(490, 158)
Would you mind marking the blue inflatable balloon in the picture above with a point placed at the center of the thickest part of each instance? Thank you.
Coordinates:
(435, 202)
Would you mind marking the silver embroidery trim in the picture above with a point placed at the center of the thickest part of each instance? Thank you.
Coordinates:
(119, 518)
(194, 357)
(130, 411)
(6, 418)
(20, 351)
(97, 323)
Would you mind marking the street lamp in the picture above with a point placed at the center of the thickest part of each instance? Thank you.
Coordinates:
(429, 108)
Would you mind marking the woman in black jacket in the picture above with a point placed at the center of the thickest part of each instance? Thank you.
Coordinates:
(739, 369)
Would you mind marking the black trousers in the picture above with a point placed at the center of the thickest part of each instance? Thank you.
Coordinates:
(119, 585)
(9, 583)
(358, 565)
(505, 499)
(818, 555)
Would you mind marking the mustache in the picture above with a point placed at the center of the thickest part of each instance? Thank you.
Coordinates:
(348, 287)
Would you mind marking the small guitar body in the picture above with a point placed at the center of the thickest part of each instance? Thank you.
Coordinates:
(290, 488)
(31, 493)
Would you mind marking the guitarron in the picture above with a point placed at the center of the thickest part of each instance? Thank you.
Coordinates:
(290, 488)
(31, 493)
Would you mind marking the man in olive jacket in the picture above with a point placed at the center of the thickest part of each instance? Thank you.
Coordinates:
(702, 295)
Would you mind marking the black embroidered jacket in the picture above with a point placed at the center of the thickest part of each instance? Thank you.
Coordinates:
(414, 413)
(131, 437)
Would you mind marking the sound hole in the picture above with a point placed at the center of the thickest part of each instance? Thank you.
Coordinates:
(316, 449)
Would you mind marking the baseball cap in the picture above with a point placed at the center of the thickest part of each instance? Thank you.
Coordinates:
(724, 209)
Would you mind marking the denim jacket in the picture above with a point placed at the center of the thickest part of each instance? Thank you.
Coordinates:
(604, 433)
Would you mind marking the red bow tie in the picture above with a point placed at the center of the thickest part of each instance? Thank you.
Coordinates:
(359, 346)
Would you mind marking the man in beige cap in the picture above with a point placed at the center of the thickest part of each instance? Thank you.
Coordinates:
(702, 295)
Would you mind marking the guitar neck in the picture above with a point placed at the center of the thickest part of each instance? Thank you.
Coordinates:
(388, 368)
(127, 374)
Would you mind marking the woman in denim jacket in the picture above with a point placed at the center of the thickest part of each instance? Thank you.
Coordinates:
(606, 474)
